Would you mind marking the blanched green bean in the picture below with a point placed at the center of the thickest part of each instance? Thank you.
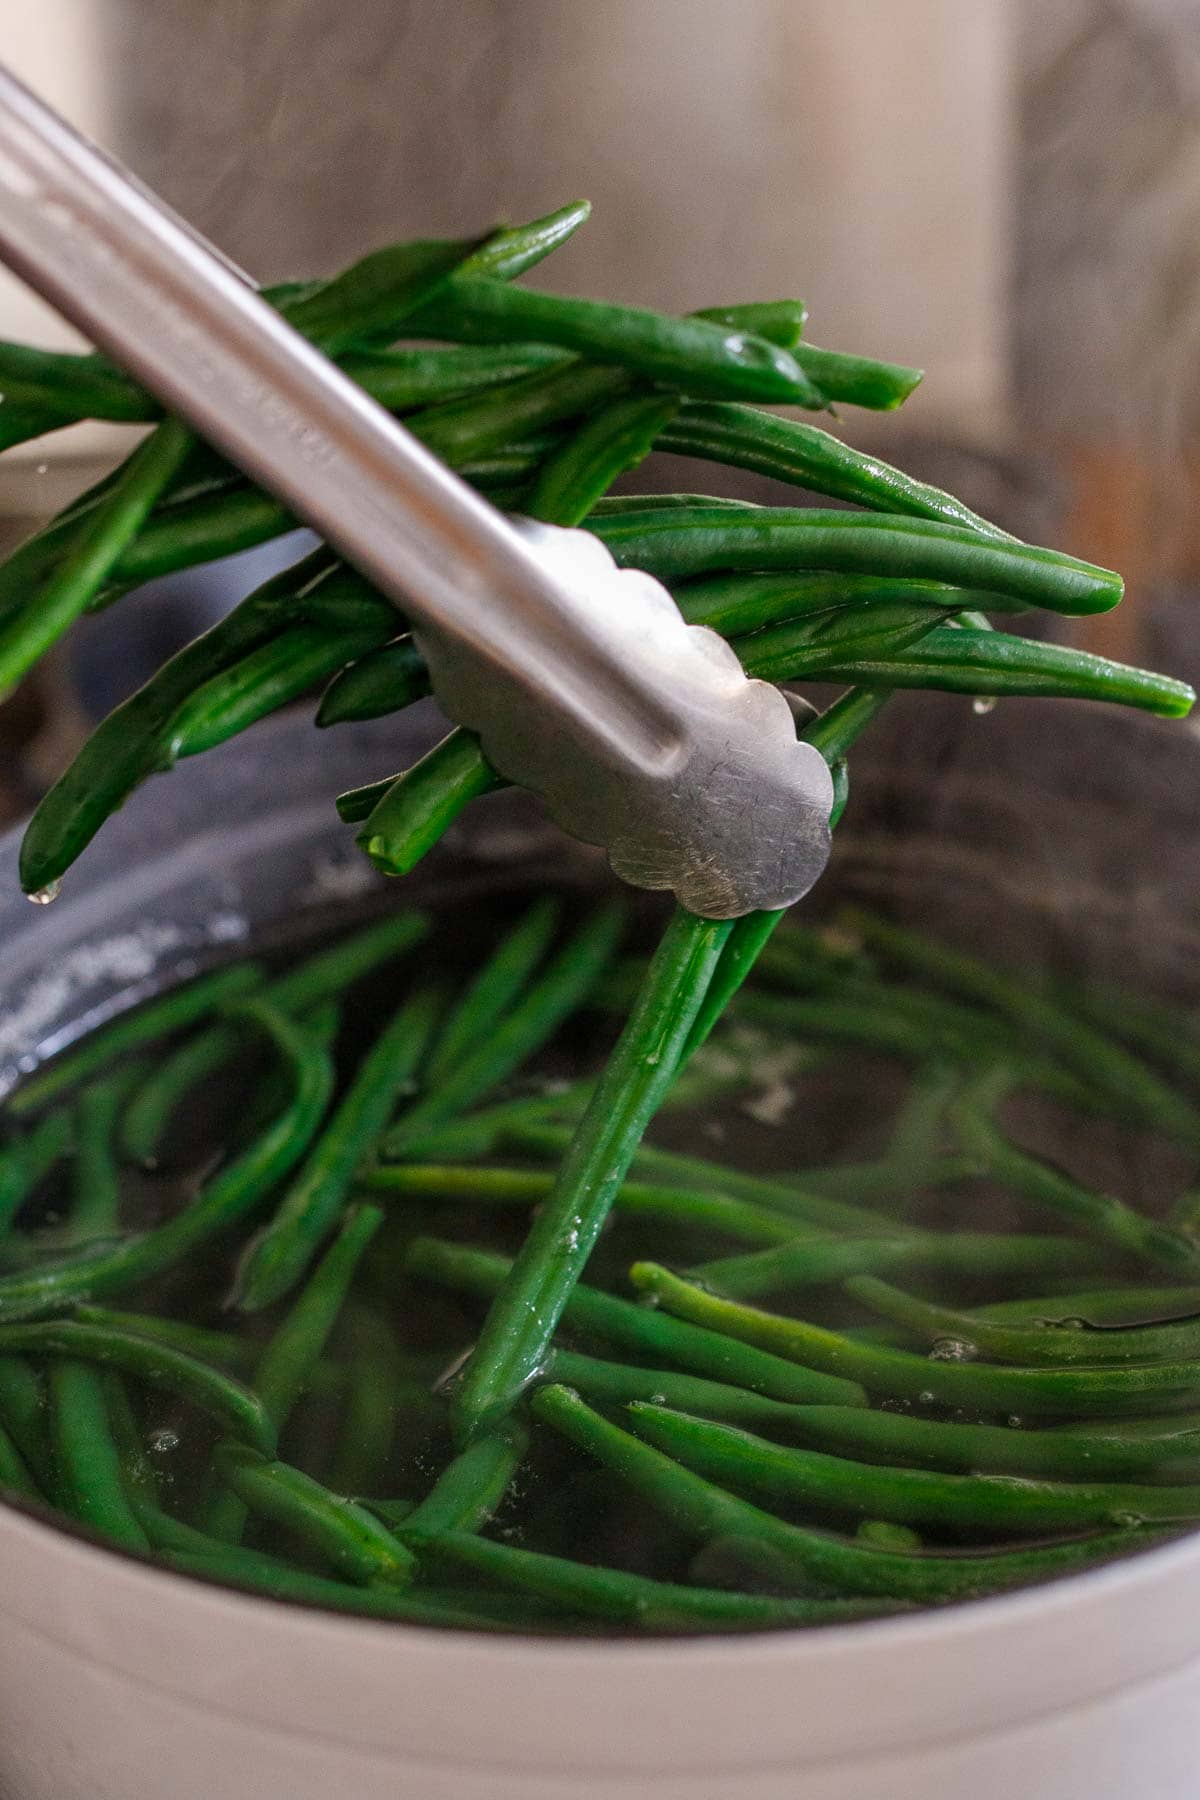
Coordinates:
(496, 987)
(707, 1512)
(347, 1535)
(562, 987)
(643, 1330)
(227, 1197)
(418, 806)
(673, 545)
(900, 1375)
(1030, 1344)
(991, 1503)
(616, 1595)
(521, 1319)
(277, 1257)
(791, 450)
(180, 1006)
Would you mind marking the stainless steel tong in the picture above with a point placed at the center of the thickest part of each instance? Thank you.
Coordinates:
(582, 681)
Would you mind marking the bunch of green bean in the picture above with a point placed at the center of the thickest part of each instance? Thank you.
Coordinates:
(1013, 1420)
(542, 402)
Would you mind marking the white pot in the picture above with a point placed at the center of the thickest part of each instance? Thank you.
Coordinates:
(119, 1681)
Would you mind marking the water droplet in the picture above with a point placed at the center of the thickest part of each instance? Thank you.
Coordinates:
(949, 1349)
(926, 1396)
(658, 1399)
(1128, 1520)
(1068, 1324)
(1014, 1421)
(163, 1441)
(43, 896)
(42, 468)
(983, 704)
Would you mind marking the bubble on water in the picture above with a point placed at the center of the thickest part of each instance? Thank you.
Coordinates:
(163, 1441)
(43, 896)
(952, 1349)
(983, 704)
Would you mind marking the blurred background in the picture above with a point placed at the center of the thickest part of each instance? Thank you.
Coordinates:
(1006, 192)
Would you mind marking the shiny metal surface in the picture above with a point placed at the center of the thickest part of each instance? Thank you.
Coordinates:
(641, 733)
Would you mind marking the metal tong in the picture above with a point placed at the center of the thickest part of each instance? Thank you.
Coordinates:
(583, 682)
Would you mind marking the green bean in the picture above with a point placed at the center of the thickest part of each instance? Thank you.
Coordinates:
(559, 991)
(256, 1573)
(641, 1329)
(994, 1503)
(900, 1375)
(675, 1169)
(468, 1491)
(781, 321)
(377, 294)
(15, 1477)
(379, 682)
(88, 1480)
(825, 645)
(223, 1348)
(918, 1127)
(858, 380)
(1066, 1453)
(27, 1161)
(359, 803)
(128, 745)
(522, 1318)
(423, 802)
(1108, 1306)
(23, 1414)
(520, 1187)
(89, 560)
(227, 1198)
(1124, 1079)
(233, 1406)
(277, 1257)
(494, 989)
(994, 662)
(695, 354)
(512, 250)
(616, 438)
(617, 1596)
(406, 378)
(737, 604)
(180, 1006)
(810, 1260)
(347, 1535)
(375, 1387)
(794, 451)
(286, 1366)
(276, 673)
(1030, 1344)
(301, 988)
(612, 1384)
(462, 431)
(705, 1511)
(1102, 1215)
(673, 545)
(96, 1205)
(82, 387)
